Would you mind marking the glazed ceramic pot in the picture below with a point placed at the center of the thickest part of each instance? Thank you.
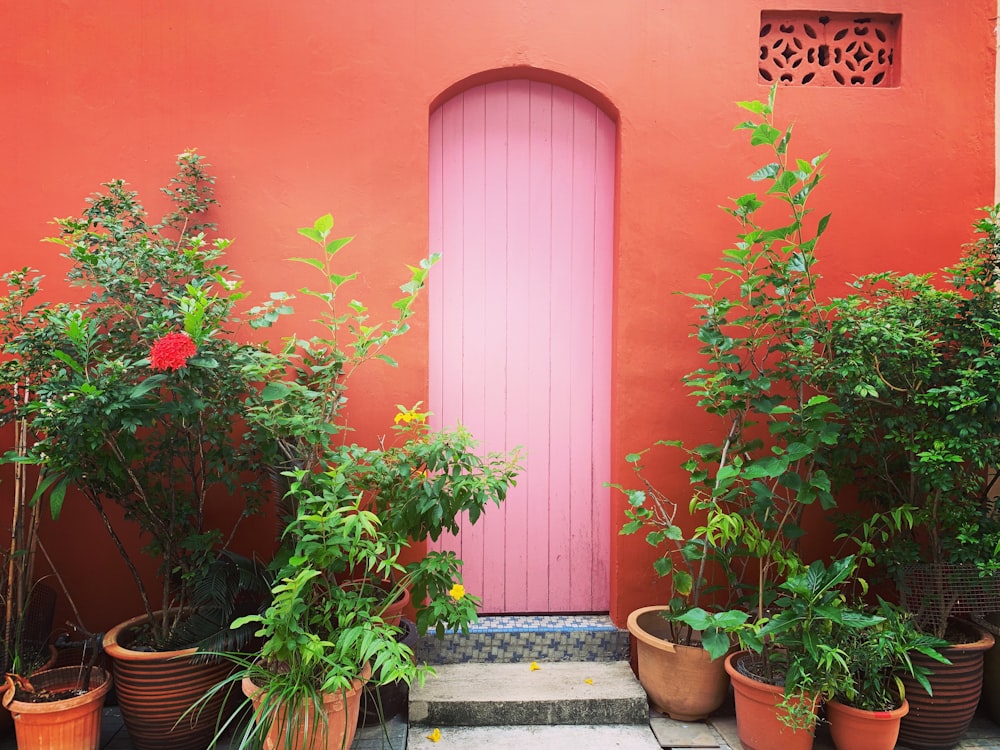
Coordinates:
(156, 688)
(758, 721)
(852, 728)
(939, 722)
(682, 682)
(69, 724)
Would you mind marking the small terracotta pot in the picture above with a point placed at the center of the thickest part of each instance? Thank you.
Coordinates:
(335, 733)
(6, 721)
(940, 721)
(758, 721)
(156, 688)
(852, 728)
(70, 724)
(681, 681)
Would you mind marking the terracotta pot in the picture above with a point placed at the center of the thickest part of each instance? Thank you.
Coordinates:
(681, 681)
(336, 732)
(852, 728)
(758, 721)
(940, 721)
(6, 720)
(70, 724)
(155, 688)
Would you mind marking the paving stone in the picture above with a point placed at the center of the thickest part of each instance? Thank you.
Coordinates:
(683, 734)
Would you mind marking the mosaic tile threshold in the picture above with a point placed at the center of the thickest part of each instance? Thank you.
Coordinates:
(529, 638)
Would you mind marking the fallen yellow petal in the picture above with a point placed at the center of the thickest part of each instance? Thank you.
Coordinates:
(589, 681)
(435, 736)
(534, 666)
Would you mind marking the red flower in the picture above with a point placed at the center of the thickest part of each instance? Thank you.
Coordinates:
(172, 352)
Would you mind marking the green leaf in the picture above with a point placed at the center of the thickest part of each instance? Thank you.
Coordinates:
(274, 391)
(324, 223)
(764, 134)
(334, 245)
(147, 385)
(314, 262)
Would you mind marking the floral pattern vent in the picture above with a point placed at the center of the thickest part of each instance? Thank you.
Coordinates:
(800, 48)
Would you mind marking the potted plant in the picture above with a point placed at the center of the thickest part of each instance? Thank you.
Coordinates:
(352, 510)
(138, 395)
(867, 708)
(913, 364)
(761, 330)
(58, 709)
(680, 644)
(796, 658)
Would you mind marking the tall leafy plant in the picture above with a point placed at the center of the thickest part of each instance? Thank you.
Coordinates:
(913, 363)
(139, 388)
(760, 330)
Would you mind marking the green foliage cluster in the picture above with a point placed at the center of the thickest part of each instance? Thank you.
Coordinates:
(813, 395)
(352, 510)
(162, 445)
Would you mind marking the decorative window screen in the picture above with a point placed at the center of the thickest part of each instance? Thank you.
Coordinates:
(800, 48)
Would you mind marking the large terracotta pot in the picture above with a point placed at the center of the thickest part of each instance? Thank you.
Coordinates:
(852, 728)
(334, 732)
(758, 721)
(70, 724)
(156, 688)
(681, 681)
(940, 721)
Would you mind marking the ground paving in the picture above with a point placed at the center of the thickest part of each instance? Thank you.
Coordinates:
(717, 734)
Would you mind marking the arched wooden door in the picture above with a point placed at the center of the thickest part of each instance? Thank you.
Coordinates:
(521, 210)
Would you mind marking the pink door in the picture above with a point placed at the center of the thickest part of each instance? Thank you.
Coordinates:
(521, 210)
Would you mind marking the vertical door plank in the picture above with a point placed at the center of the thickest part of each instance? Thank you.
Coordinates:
(516, 385)
(538, 337)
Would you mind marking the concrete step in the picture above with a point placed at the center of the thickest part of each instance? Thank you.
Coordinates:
(476, 694)
(529, 638)
(594, 737)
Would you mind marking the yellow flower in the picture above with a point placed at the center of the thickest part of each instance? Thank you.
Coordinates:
(435, 736)
(457, 591)
(534, 666)
(589, 681)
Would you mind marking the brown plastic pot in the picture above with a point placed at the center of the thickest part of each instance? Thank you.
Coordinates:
(852, 728)
(940, 721)
(156, 688)
(681, 681)
(758, 721)
(334, 731)
(70, 724)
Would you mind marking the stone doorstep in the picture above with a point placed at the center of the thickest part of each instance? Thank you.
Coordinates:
(565, 693)
(576, 737)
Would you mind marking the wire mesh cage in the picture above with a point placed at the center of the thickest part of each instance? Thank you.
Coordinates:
(935, 592)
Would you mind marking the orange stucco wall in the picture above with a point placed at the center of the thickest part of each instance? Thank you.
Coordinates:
(309, 107)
